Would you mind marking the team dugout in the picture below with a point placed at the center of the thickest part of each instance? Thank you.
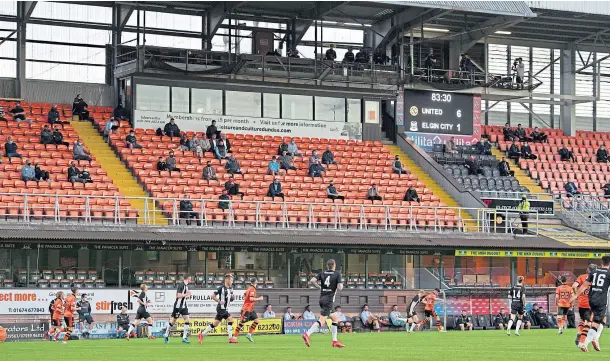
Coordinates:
(61, 265)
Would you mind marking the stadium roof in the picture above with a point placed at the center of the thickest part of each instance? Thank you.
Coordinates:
(279, 237)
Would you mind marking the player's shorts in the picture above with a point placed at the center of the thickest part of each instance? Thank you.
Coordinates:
(597, 312)
(83, 318)
(124, 326)
(411, 315)
(56, 322)
(142, 314)
(584, 313)
(247, 316)
(429, 313)
(178, 312)
(222, 315)
(326, 306)
(562, 311)
(516, 308)
(69, 320)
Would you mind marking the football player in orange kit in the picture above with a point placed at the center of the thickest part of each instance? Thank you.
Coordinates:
(584, 309)
(563, 294)
(429, 312)
(69, 309)
(57, 309)
(247, 310)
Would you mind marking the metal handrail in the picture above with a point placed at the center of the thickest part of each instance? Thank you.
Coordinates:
(117, 210)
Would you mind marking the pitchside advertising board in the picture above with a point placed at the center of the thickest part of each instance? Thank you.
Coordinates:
(110, 301)
(149, 119)
(433, 117)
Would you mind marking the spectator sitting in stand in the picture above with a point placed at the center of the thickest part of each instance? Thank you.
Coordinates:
(397, 319)
(464, 321)
(293, 149)
(221, 149)
(186, 210)
(286, 162)
(195, 147)
(10, 148)
(185, 143)
(119, 113)
(411, 195)
(288, 315)
(85, 176)
(539, 136)
(215, 147)
(307, 314)
(171, 129)
(224, 200)
(79, 152)
(53, 116)
(349, 56)
(205, 144)
(58, 138)
(314, 157)
(282, 148)
(571, 189)
(501, 320)
(397, 166)
(333, 193)
(209, 173)
(171, 163)
(211, 130)
(526, 152)
(514, 152)
(606, 188)
(566, 155)
(2, 118)
(46, 136)
(527, 321)
(484, 147)
(520, 133)
(368, 319)
(504, 168)
(40, 174)
(450, 146)
(542, 319)
(161, 165)
(533, 314)
(269, 312)
(342, 323)
(328, 157)
(509, 134)
(316, 169)
(602, 154)
(18, 113)
(372, 194)
(227, 143)
(79, 108)
(232, 166)
(275, 189)
(232, 188)
(131, 141)
(330, 54)
(73, 173)
(27, 172)
(273, 168)
(473, 166)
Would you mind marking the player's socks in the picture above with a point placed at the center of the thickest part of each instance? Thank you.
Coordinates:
(168, 329)
(584, 334)
(509, 327)
(207, 329)
(600, 328)
(238, 329)
(131, 328)
(185, 333)
(412, 327)
(591, 335)
(230, 329)
(314, 328)
(253, 327)
(68, 334)
(518, 327)
(334, 330)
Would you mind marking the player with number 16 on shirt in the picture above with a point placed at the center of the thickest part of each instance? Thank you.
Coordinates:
(329, 282)
(598, 283)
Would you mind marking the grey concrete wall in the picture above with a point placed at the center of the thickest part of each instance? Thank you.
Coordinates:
(60, 92)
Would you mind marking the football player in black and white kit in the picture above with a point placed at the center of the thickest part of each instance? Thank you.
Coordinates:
(142, 313)
(516, 296)
(180, 310)
(412, 312)
(598, 283)
(329, 282)
(224, 296)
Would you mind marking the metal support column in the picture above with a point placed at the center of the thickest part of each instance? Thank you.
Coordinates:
(20, 82)
(552, 84)
(529, 82)
(595, 75)
(568, 87)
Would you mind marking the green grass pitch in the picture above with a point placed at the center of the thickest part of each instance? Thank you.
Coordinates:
(387, 346)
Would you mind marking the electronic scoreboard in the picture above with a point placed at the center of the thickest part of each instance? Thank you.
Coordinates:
(438, 112)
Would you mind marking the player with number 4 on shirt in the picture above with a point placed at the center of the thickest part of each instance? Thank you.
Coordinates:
(598, 283)
(329, 282)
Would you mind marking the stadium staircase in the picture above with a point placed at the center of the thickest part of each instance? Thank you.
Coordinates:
(431, 184)
(523, 178)
(117, 172)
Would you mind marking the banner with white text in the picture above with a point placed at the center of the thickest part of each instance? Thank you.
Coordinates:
(149, 119)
